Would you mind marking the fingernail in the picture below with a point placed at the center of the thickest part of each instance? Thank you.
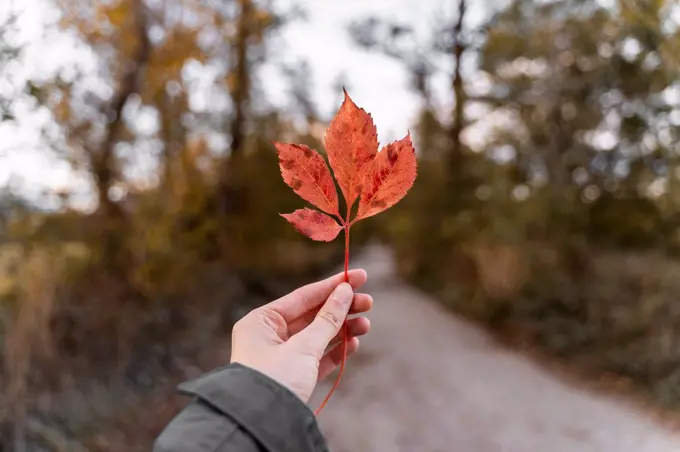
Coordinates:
(344, 294)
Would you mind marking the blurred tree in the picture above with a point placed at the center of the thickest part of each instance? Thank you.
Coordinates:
(562, 235)
(165, 116)
(445, 198)
(583, 90)
(458, 90)
(175, 86)
(445, 46)
(93, 122)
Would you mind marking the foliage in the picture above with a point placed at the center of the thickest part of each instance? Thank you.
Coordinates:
(182, 238)
(559, 226)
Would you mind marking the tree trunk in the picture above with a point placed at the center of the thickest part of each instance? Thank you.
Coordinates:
(103, 160)
(460, 182)
(231, 195)
(456, 156)
(240, 91)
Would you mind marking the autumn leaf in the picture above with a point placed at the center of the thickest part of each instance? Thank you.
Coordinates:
(305, 171)
(313, 224)
(391, 175)
(381, 179)
(351, 143)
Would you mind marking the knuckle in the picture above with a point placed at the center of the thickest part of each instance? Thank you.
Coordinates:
(271, 318)
(335, 299)
(329, 317)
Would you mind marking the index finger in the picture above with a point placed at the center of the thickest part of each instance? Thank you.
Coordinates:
(311, 296)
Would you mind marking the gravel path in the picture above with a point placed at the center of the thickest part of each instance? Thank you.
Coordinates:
(426, 381)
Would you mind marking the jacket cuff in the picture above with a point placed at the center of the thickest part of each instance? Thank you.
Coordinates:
(269, 412)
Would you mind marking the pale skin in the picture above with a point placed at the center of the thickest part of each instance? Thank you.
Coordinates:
(296, 340)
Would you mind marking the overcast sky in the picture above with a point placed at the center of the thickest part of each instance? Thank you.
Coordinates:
(377, 83)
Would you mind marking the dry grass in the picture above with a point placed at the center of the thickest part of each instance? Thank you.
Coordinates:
(29, 280)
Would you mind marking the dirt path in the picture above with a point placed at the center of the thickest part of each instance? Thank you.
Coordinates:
(426, 381)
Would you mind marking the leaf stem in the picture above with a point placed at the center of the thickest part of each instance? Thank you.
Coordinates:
(347, 226)
(345, 337)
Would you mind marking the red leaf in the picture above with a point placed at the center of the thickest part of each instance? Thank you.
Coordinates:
(381, 179)
(389, 178)
(351, 143)
(305, 171)
(313, 224)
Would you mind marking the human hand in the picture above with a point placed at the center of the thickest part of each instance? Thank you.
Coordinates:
(287, 339)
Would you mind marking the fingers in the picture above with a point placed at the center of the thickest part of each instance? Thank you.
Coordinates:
(355, 327)
(311, 296)
(327, 322)
(362, 302)
(333, 358)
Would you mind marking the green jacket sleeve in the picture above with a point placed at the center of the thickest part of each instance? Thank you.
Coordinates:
(237, 409)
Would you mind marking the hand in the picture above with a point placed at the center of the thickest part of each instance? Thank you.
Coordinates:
(287, 338)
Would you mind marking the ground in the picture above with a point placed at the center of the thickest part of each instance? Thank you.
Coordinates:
(427, 381)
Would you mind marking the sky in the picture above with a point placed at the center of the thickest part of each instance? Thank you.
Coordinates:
(376, 83)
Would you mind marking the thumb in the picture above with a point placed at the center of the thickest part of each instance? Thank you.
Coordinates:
(328, 321)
